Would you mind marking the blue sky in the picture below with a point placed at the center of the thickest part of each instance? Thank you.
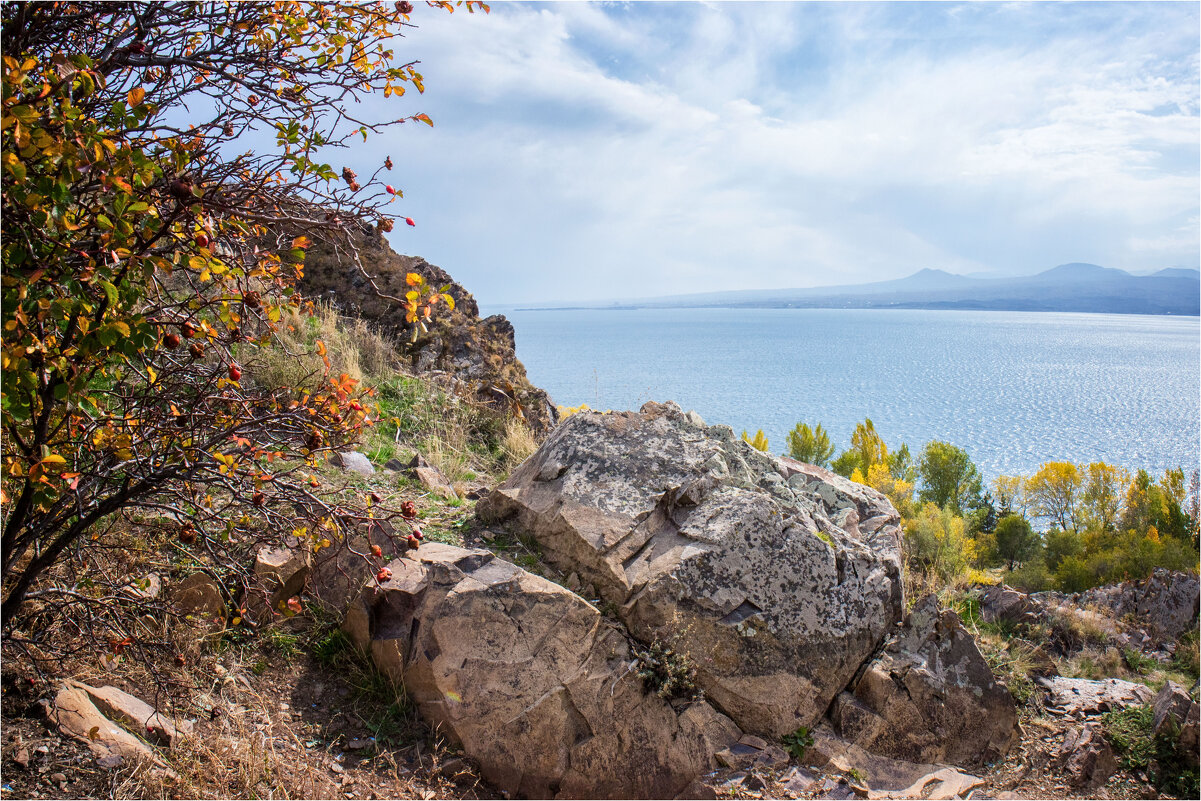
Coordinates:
(590, 151)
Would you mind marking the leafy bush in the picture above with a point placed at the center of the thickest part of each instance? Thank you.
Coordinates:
(798, 742)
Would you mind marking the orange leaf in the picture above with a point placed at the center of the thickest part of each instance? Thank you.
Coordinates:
(423, 117)
(137, 95)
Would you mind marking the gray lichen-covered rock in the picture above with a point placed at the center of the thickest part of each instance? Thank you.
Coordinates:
(531, 680)
(929, 696)
(776, 579)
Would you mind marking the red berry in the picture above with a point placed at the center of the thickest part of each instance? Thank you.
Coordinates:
(417, 533)
(202, 240)
(138, 47)
(235, 372)
(414, 542)
(383, 575)
(389, 189)
(171, 341)
(377, 551)
(408, 509)
(188, 330)
(409, 220)
(375, 497)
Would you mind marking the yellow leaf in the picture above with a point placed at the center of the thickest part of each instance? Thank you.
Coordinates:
(413, 279)
(301, 242)
(423, 117)
(136, 96)
(153, 375)
(450, 302)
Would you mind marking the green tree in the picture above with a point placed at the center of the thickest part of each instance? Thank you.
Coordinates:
(143, 253)
(1016, 541)
(948, 476)
(810, 445)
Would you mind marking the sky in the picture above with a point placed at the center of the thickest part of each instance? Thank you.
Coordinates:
(597, 151)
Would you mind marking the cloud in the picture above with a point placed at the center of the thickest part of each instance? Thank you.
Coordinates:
(587, 151)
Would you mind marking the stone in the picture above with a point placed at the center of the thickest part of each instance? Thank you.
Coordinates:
(999, 603)
(73, 712)
(199, 598)
(1086, 758)
(120, 706)
(777, 579)
(353, 461)
(282, 573)
(1176, 715)
(929, 696)
(338, 572)
(942, 785)
(21, 757)
(751, 751)
(1093, 696)
(531, 682)
(394, 464)
(430, 477)
(885, 777)
(146, 588)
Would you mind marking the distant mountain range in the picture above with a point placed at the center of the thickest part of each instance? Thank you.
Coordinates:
(1075, 287)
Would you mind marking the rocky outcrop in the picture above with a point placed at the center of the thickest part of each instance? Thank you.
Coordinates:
(479, 354)
(1165, 604)
(886, 777)
(531, 680)
(928, 696)
(776, 579)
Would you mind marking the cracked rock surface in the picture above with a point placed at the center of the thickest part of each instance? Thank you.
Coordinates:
(776, 579)
(929, 696)
(531, 680)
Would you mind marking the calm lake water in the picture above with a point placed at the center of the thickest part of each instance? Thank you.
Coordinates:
(1014, 389)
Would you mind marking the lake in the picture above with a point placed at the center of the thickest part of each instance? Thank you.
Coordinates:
(1014, 389)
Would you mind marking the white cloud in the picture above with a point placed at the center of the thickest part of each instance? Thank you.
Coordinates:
(584, 151)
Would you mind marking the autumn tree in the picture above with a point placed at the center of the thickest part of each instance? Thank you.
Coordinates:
(758, 442)
(146, 255)
(1053, 493)
(810, 445)
(867, 448)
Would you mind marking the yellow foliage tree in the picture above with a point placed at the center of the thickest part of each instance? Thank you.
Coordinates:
(758, 442)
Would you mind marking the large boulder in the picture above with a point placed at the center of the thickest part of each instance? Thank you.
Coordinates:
(1082, 697)
(929, 696)
(776, 579)
(1086, 758)
(531, 680)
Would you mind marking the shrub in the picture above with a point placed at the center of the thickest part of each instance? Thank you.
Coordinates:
(667, 673)
(798, 742)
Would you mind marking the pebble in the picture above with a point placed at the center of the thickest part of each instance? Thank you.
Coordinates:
(58, 777)
(336, 768)
(43, 749)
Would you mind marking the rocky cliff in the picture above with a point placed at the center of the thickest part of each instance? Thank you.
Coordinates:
(479, 354)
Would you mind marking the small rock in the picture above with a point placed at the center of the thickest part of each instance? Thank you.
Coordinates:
(358, 745)
(354, 462)
(198, 597)
(336, 768)
(42, 749)
(22, 757)
(58, 778)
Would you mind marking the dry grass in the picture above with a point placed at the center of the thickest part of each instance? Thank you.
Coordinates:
(517, 443)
